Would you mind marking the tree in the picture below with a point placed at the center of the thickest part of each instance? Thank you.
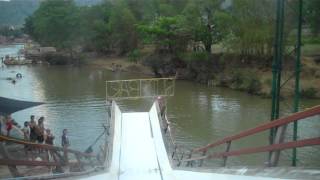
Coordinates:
(55, 23)
(168, 33)
(252, 27)
(312, 10)
(206, 20)
(122, 28)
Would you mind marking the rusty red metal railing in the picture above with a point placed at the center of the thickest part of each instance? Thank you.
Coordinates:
(24, 153)
(273, 147)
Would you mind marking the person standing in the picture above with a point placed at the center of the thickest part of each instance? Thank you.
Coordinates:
(26, 131)
(40, 130)
(49, 137)
(65, 143)
(33, 126)
(9, 124)
(65, 139)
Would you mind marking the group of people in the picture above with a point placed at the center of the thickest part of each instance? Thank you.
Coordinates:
(35, 131)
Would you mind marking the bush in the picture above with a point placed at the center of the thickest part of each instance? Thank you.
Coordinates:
(134, 55)
(56, 59)
(237, 79)
(310, 92)
(246, 82)
(254, 85)
(194, 56)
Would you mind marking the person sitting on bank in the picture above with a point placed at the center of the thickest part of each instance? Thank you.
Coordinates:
(49, 137)
(65, 143)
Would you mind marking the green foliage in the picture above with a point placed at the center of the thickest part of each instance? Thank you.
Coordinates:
(246, 81)
(134, 55)
(312, 13)
(9, 32)
(206, 22)
(173, 26)
(310, 92)
(311, 40)
(194, 56)
(251, 30)
(55, 23)
(168, 33)
(122, 26)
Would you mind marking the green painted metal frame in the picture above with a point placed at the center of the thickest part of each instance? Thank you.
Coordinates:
(299, 116)
(277, 68)
(297, 81)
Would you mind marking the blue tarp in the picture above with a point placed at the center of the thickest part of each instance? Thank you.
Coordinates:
(8, 106)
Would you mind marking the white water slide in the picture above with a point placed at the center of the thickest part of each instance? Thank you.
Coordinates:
(139, 152)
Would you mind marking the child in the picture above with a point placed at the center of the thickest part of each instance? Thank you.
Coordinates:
(26, 131)
(64, 139)
(49, 137)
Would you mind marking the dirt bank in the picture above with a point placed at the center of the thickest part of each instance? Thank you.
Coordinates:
(114, 63)
(244, 76)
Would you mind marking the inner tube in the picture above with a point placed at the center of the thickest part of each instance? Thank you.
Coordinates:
(18, 75)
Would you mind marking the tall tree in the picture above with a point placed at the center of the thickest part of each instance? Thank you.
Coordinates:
(312, 8)
(55, 23)
(206, 20)
(122, 27)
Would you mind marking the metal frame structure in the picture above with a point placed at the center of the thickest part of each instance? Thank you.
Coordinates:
(51, 157)
(277, 69)
(202, 151)
(139, 88)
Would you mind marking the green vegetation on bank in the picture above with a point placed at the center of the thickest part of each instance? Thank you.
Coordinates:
(243, 27)
(183, 34)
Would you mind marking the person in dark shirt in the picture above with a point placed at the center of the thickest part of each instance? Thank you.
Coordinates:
(40, 130)
(49, 137)
(65, 139)
(33, 126)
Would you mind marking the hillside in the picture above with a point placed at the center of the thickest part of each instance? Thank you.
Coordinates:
(13, 13)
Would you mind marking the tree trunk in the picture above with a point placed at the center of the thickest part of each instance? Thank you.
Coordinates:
(208, 47)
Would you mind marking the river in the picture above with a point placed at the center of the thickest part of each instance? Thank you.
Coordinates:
(75, 99)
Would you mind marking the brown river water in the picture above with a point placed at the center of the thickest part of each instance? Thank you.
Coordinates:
(75, 99)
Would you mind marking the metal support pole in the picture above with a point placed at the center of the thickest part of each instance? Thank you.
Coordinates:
(276, 67)
(297, 82)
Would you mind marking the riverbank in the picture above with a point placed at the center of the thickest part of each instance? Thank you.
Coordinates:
(114, 63)
(218, 71)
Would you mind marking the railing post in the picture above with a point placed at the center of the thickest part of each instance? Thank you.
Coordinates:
(225, 158)
(13, 169)
(65, 156)
(189, 163)
(79, 162)
(179, 163)
(174, 151)
(201, 161)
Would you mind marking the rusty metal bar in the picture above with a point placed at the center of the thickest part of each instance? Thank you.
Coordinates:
(226, 157)
(43, 146)
(282, 121)
(282, 146)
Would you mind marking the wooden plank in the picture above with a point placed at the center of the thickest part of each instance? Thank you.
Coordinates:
(282, 121)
